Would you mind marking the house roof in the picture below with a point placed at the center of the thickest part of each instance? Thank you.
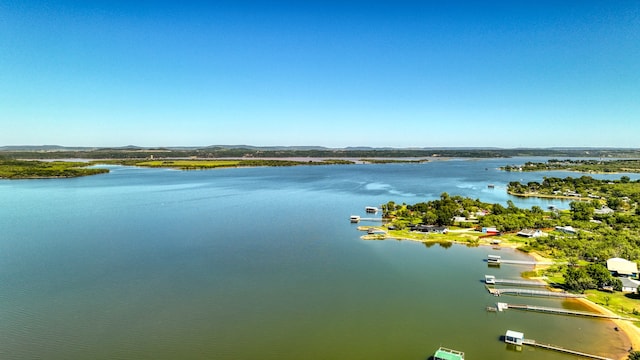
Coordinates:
(628, 283)
(566, 228)
(604, 210)
(622, 266)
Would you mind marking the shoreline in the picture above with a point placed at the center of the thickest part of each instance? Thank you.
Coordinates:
(627, 328)
(630, 332)
(546, 196)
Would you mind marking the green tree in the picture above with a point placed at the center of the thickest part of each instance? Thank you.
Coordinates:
(577, 279)
(581, 210)
(600, 275)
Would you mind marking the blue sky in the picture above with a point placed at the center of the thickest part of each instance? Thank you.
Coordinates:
(329, 73)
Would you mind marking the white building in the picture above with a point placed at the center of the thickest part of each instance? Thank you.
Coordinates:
(622, 268)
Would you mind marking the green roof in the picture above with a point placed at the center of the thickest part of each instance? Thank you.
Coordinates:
(448, 354)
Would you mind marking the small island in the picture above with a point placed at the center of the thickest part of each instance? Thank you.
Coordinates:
(27, 169)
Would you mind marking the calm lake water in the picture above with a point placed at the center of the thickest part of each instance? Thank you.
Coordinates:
(257, 263)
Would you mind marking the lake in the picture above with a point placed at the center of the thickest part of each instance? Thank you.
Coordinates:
(259, 263)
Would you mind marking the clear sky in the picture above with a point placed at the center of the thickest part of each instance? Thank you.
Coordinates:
(328, 73)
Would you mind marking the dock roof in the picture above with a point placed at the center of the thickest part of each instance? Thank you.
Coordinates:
(514, 334)
(448, 354)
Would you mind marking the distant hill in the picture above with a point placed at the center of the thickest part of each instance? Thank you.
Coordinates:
(43, 148)
(248, 151)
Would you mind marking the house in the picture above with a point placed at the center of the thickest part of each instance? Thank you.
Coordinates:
(629, 286)
(604, 210)
(622, 268)
(490, 231)
(530, 233)
(432, 229)
(567, 229)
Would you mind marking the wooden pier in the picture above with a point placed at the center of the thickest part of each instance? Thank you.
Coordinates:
(490, 279)
(521, 262)
(357, 219)
(531, 342)
(559, 311)
(370, 219)
(532, 292)
(517, 338)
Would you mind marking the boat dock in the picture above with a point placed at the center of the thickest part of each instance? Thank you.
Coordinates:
(532, 292)
(492, 280)
(357, 219)
(517, 338)
(559, 311)
(531, 342)
(496, 259)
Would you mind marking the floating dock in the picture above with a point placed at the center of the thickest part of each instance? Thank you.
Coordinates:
(448, 354)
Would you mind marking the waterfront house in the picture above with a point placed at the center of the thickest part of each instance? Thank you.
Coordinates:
(604, 210)
(530, 233)
(567, 229)
(629, 286)
(459, 219)
(490, 231)
(432, 229)
(622, 268)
